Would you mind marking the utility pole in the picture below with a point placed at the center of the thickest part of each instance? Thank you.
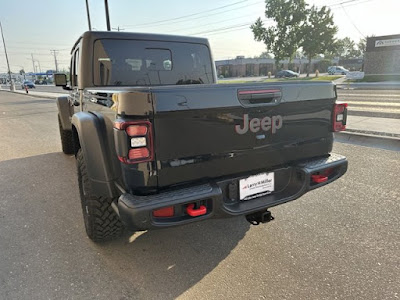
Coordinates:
(55, 58)
(119, 29)
(107, 15)
(5, 51)
(88, 15)
(33, 64)
(40, 69)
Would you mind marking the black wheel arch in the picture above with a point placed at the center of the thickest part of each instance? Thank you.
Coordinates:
(94, 135)
(65, 111)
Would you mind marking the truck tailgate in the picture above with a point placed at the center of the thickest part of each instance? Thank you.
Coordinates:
(209, 131)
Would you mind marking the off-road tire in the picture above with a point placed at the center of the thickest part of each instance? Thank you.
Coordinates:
(101, 221)
(67, 143)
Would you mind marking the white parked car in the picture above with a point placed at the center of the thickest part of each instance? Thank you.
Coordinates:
(337, 70)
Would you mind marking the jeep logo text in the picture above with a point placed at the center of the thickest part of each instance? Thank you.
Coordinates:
(268, 123)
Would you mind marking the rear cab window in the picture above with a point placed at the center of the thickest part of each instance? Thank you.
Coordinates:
(142, 63)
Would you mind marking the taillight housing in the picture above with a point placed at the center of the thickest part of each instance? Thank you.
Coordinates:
(139, 135)
(339, 117)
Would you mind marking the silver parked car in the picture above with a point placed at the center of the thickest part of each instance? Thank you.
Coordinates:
(337, 70)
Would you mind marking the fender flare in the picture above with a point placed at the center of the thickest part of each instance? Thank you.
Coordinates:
(65, 111)
(96, 140)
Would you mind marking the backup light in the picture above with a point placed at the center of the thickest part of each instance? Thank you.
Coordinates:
(138, 142)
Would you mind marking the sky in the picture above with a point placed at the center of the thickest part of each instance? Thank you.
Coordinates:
(33, 28)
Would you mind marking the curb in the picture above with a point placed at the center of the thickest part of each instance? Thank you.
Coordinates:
(374, 133)
(375, 114)
(344, 86)
(368, 140)
(31, 95)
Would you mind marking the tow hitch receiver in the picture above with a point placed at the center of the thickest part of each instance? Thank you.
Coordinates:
(191, 211)
(259, 217)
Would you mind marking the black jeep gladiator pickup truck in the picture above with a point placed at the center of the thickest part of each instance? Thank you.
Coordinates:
(158, 143)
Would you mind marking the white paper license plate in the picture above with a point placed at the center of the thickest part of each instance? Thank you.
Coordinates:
(256, 186)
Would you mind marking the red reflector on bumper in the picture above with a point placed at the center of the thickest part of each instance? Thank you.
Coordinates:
(319, 178)
(164, 212)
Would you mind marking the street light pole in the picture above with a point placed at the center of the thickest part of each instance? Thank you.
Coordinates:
(107, 15)
(88, 15)
(5, 50)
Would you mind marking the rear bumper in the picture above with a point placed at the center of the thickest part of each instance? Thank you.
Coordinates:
(221, 197)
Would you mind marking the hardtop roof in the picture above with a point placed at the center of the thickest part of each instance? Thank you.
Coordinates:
(94, 35)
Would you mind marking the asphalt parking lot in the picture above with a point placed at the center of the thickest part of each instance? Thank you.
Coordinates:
(338, 242)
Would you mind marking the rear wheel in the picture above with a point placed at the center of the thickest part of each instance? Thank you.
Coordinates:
(101, 221)
(66, 139)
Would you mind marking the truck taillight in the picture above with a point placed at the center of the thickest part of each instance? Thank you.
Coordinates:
(139, 135)
(136, 130)
(339, 117)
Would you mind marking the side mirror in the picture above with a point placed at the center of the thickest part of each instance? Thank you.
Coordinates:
(60, 79)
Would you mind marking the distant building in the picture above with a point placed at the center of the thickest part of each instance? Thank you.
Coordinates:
(16, 77)
(382, 56)
(242, 67)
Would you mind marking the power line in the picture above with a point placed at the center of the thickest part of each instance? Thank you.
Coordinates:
(226, 28)
(187, 16)
(345, 2)
(28, 53)
(207, 16)
(37, 48)
(219, 22)
(352, 22)
(118, 28)
(240, 26)
(43, 44)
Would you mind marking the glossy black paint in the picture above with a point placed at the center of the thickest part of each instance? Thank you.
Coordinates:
(196, 138)
(194, 129)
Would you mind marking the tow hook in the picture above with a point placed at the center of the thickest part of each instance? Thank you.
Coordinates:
(191, 211)
(259, 217)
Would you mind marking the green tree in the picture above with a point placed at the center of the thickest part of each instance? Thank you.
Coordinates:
(264, 54)
(283, 38)
(318, 33)
(348, 48)
(362, 46)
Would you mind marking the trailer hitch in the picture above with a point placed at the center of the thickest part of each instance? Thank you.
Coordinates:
(259, 217)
